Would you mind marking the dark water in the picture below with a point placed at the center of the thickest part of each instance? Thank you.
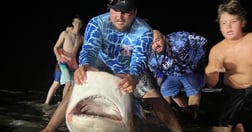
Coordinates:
(23, 111)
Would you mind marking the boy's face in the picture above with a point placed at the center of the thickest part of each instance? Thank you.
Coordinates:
(77, 23)
(231, 26)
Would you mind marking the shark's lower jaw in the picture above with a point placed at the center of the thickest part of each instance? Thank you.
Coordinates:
(99, 106)
(96, 106)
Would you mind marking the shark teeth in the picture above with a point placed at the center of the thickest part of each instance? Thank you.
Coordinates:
(97, 106)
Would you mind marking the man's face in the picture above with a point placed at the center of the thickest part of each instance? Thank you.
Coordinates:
(158, 44)
(122, 20)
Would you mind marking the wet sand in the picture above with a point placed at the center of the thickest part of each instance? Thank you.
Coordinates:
(23, 111)
(201, 124)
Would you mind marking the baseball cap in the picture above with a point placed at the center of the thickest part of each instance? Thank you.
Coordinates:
(122, 5)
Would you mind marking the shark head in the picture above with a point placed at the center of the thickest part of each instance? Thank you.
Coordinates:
(99, 105)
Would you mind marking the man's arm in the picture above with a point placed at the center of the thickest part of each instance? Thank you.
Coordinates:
(198, 45)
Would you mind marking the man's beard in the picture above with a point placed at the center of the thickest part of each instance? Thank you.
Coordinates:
(162, 52)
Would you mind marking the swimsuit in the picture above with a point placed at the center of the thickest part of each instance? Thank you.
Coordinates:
(57, 73)
(235, 105)
(64, 70)
(66, 73)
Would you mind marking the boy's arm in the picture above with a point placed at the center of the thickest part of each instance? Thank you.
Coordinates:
(58, 45)
(213, 69)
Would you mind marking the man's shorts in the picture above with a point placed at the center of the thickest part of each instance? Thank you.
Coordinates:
(192, 84)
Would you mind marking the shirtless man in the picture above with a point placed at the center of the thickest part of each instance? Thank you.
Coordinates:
(232, 57)
(65, 50)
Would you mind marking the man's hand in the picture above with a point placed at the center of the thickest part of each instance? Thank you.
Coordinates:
(128, 82)
(80, 75)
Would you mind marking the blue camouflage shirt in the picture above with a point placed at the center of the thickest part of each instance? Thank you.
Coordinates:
(122, 52)
(185, 53)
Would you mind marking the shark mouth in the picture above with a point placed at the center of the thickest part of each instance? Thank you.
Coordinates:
(97, 106)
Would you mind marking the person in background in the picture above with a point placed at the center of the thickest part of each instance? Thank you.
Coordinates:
(232, 58)
(118, 42)
(65, 50)
(56, 82)
(178, 59)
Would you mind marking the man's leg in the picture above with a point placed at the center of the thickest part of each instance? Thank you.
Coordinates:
(168, 99)
(180, 101)
(194, 99)
(193, 84)
(67, 87)
(193, 103)
(59, 115)
(163, 110)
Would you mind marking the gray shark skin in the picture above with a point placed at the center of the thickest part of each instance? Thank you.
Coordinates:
(100, 106)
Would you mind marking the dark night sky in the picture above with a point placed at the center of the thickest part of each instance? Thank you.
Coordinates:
(33, 28)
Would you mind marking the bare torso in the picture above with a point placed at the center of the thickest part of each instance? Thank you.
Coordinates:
(71, 44)
(237, 61)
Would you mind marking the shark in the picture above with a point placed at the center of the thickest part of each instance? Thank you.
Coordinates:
(100, 106)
